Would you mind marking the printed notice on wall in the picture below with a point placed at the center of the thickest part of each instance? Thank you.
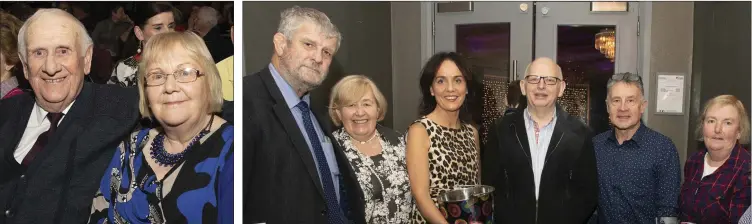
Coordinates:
(670, 94)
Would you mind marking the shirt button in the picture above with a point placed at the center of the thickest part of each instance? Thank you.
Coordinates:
(323, 212)
(8, 213)
(23, 176)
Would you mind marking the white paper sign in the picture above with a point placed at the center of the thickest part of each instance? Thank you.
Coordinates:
(670, 97)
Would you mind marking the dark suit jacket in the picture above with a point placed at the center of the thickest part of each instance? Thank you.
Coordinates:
(568, 187)
(280, 179)
(219, 47)
(228, 111)
(60, 183)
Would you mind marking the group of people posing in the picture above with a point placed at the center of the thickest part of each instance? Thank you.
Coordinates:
(545, 166)
(75, 152)
(69, 152)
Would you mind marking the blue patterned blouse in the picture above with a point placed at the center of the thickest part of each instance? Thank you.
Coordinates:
(199, 190)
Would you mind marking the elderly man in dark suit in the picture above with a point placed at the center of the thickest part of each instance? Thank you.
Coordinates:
(56, 142)
(293, 172)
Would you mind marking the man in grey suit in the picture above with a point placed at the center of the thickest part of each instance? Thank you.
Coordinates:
(293, 173)
(56, 142)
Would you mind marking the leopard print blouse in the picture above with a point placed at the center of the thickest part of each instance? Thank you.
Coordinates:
(452, 160)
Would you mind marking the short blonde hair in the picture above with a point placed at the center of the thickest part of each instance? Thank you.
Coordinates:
(349, 90)
(724, 100)
(162, 46)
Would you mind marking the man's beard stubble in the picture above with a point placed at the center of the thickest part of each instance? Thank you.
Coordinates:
(295, 75)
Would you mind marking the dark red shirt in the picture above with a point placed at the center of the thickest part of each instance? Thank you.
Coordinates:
(722, 196)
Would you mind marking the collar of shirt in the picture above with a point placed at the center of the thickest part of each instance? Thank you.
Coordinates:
(291, 98)
(637, 138)
(529, 122)
(41, 114)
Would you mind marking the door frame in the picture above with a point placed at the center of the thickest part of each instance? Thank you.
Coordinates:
(645, 18)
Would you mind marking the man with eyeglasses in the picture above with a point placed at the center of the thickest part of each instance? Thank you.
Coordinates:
(638, 168)
(541, 161)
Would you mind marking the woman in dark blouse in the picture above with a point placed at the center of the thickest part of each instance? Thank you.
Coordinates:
(716, 185)
(150, 19)
(181, 171)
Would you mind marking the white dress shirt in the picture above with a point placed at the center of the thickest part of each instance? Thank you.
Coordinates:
(539, 146)
(38, 124)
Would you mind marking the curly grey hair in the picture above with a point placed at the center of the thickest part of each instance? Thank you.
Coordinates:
(292, 18)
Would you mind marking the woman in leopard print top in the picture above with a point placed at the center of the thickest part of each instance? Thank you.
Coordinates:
(442, 146)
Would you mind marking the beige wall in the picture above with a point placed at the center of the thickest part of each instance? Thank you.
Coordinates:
(670, 50)
(406, 62)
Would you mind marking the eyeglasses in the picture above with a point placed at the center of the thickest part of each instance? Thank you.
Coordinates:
(549, 80)
(185, 75)
(630, 102)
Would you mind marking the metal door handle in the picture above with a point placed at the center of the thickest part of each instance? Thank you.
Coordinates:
(513, 71)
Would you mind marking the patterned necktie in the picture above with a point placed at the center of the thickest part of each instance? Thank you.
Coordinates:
(336, 214)
(54, 118)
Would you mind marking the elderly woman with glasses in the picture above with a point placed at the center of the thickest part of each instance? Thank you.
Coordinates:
(181, 171)
(716, 185)
(376, 153)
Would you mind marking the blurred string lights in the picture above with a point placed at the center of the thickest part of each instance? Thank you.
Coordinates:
(494, 94)
(575, 101)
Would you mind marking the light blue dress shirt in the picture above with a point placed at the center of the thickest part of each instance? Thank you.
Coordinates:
(539, 148)
(292, 100)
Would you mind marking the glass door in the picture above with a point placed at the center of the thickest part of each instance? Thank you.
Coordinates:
(496, 38)
(589, 40)
(590, 45)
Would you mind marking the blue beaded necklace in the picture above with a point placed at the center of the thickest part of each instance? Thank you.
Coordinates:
(166, 159)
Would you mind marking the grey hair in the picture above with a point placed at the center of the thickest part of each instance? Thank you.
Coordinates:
(292, 18)
(83, 36)
(628, 78)
(208, 15)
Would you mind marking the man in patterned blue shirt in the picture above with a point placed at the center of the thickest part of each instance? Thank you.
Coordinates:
(638, 169)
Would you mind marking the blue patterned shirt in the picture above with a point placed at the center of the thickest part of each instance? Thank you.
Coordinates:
(197, 190)
(746, 217)
(639, 180)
